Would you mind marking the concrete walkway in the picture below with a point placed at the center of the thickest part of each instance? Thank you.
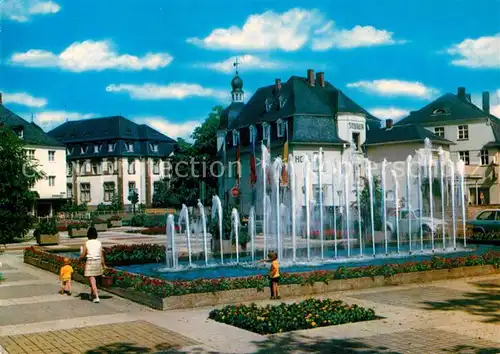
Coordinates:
(458, 316)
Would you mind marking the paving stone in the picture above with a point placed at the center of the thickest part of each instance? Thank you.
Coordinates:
(412, 298)
(130, 337)
(51, 311)
(17, 291)
(6, 266)
(18, 276)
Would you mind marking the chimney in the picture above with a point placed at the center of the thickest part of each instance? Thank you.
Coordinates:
(461, 92)
(320, 79)
(486, 102)
(310, 77)
(389, 123)
(278, 84)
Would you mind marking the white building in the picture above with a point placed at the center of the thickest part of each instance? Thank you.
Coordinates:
(49, 155)
(475, 134)
(117, 158)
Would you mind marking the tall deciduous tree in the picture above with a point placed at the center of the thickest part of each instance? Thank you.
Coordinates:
(191, 165)
(17, 175)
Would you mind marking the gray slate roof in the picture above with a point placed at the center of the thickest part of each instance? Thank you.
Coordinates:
(402, 134)
(32, 133)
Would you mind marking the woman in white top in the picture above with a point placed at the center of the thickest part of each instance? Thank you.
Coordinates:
(94, 265)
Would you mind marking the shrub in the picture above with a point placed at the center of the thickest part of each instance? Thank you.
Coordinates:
(48, 227)
(154, 231)
(138, 220)
(77, 226)
(310, 313)
(492, 236)
(115, 217)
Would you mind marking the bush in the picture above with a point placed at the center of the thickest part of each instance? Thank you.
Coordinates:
(138, 220)
(311, 313)
(77, 226)
(115, 217)
(48, 226)
(492, 236)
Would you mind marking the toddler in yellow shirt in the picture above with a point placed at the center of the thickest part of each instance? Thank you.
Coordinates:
(65, 277)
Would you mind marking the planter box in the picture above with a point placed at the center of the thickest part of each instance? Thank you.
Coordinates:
(48, 239)
(116, 223)
(101, 227)
(78, 232)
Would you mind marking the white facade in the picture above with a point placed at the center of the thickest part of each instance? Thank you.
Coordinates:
(51, 161)
(96, 182)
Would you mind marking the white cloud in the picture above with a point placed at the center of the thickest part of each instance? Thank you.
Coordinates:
(483, 52)
(22, 10)
(387, 87)
(55, 117)
(90, 56)
(248, 62)
(359, 36)
(170, 128)
(23, 99)
(176, 91)
(290, 31)
(389, 112)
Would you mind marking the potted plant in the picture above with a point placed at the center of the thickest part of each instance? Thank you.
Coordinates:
(100, 224)
(115, 221)
(106, 279)
(46, 233)
(78, 229)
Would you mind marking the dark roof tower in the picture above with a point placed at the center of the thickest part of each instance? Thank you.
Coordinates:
(232, 112)
(237, 93)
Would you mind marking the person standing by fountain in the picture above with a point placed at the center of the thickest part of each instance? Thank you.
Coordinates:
(274, 274)
(94, 265)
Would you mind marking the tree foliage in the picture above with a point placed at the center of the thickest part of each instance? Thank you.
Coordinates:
(364, 200)
(17, 175)
(191, 166)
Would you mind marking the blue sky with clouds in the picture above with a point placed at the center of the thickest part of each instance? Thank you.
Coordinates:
(167, 63)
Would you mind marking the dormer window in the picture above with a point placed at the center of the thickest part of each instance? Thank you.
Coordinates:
(282, 101)
(69, 151)
(280, 125)
(153, 147)
(83, 149)
(111, 147)
(96, 148)
(130, 147)
(20, 133)
(441, 111)
(268, 104)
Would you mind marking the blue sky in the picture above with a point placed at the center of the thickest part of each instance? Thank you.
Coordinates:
(167, 63)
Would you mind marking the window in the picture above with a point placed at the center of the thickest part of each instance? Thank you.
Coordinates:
(441, 111)
(487, 215)
(20, 133)
(439, 131)
(463, 132)
(52, 155)
(111, 167)
(83, 149)
(96, 168)
(31, 154)
(464, 156)
(280, 128)
(130, 147)
(315, 161)
(109, 191)
(111, 147)
(268, 104)
(156, 186)
(282, 102)
(69, 169)
(156, 167)
(131, 167)
(131, 187)
(154, 147)
(69, 151)
(85, 192)
(356, 138)
(485, 158)
(52, 181)
(69, 190)
(317, 194)
(96, 148)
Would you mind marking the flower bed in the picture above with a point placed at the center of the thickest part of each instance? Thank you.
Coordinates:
(310, 313)
(185, 293)
(154, 231)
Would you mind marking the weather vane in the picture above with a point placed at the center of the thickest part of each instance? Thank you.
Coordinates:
(236, 64)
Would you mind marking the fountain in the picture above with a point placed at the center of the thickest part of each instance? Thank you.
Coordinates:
(184, 216)
(204, 229)
(294, 227)
(441, 184)
(217, 213)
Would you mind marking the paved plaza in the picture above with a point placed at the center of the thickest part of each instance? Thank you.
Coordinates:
(454, 316)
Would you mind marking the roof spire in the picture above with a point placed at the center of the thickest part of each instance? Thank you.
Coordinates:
(236, 64)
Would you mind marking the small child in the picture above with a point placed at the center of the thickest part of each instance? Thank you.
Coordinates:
(65, 276)
(274, 274)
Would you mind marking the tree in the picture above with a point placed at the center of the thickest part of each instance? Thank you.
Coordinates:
(364, 200)
(18, 174)
(134, 199)
(190, 166)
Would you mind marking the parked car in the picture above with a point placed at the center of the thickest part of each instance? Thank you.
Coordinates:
(486, 221)
(428, 224)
